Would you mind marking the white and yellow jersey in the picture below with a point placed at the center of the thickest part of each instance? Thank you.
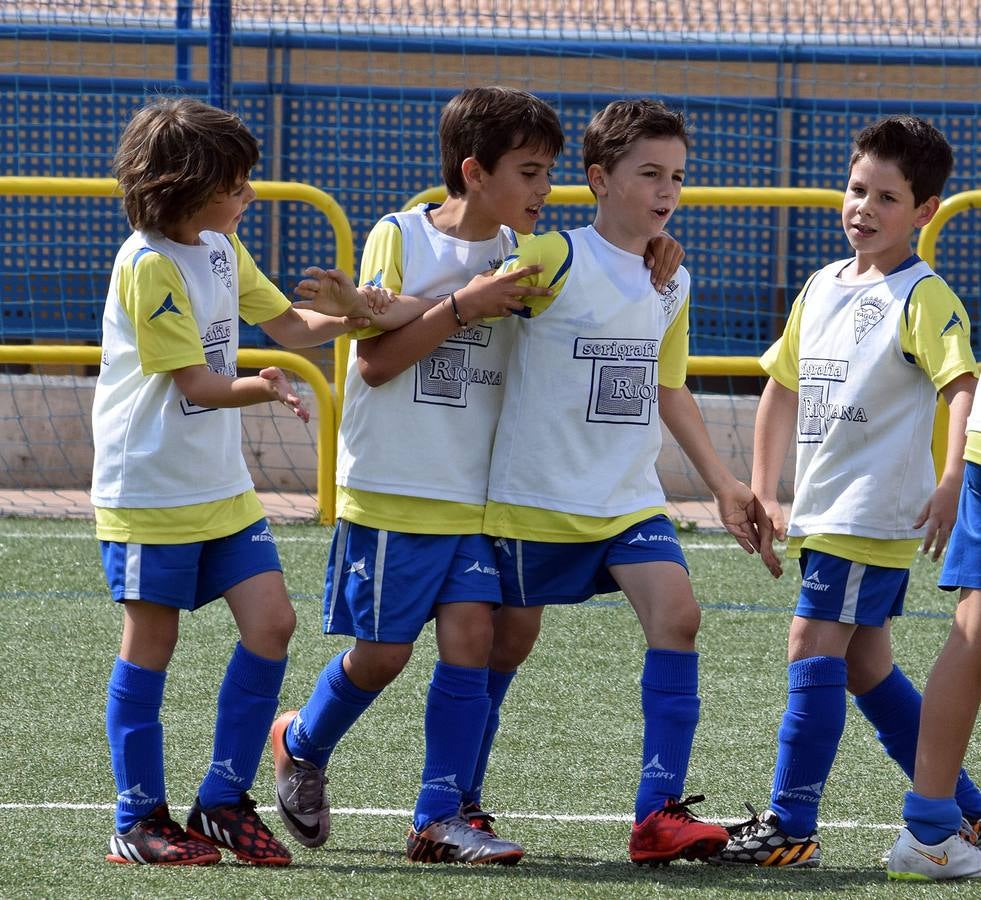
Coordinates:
(165, 470)
(414, 453)
(867, 360)
(579, 432)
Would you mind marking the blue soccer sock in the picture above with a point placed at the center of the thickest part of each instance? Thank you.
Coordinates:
(133, 702)
(497, 686)
(333, 707)
(931, 820)
(808, 740)
(669, 700)
(456, 719)
(893, 708)
(246, 706)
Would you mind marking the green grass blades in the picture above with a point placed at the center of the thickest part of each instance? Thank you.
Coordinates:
(561, 780)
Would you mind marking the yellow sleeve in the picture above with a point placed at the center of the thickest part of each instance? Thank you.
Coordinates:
(553, 252)
(259, 300)
(151, 291)
(935, 332)
(381, 265)
(672, 358)
(781, 360)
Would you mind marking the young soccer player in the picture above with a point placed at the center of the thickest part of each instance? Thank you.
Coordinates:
(932, 846)
(408, 544)
(573, 495)
(176, 512)
(869, 342)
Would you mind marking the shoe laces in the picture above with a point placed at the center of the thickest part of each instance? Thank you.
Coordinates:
(750, 826)
(678, 809)
(474, 814)
(307, 789)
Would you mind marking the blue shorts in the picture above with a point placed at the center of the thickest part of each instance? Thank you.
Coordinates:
(962, 564)
(188, 576)
(385, 585)
(537, 573)
(839, 590)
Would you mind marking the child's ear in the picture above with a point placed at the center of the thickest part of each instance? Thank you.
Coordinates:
(473, 173)
(596, 176)
(926, 211)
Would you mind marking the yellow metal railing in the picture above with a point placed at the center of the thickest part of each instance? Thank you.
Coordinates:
(247, 357)
(576, 194)
(328, 403)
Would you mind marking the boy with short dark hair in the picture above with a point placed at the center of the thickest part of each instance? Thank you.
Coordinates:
(420, 408)
(574, 498)
(175, 509)
(869, 342)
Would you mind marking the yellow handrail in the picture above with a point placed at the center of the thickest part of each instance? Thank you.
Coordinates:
(329, 405)
(690, 196)
(248, 358)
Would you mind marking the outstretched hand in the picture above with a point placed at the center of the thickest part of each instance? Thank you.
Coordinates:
(331, 292)
(488, 295)
(283, 392)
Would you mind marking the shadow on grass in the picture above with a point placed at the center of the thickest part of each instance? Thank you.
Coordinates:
(585, 870)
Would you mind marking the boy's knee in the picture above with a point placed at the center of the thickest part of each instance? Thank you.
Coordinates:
(373, 666)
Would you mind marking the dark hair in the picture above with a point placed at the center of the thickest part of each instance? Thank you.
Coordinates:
(919, 150)
(486, 123)
(613, 130)
(174, 155)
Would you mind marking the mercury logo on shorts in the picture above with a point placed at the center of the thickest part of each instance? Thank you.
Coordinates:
(813, 582)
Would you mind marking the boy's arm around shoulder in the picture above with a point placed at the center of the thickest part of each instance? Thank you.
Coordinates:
(739, 511)
(382, 358)
(940, 511)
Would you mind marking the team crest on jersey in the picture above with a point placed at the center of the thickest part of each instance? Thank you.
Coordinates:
(669, 296)
(221, 267)
(624, 379)
(867, 316)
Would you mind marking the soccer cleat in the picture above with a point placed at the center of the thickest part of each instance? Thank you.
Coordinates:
(456, 841)
(237, 828)
(301, 792)
(760, 842)
(672, 832)
(970, 831)
(909, 860)
(478, 818)
(158, 840)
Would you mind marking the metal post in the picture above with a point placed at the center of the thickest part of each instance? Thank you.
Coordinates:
(220, 53)
(185, 9)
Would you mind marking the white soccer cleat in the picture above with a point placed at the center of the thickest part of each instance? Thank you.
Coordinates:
(457, 841)
(909, 860)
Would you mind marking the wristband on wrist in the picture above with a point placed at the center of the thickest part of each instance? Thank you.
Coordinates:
(456, 311)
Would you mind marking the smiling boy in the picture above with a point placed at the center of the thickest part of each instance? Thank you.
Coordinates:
(574, 497)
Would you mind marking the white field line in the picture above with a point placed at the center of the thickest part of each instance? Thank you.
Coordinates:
(407, 813)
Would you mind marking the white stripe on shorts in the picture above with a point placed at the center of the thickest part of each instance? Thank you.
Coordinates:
(134, 560)
(849, 604)
(342, 529)
(379, 576)
(520, 564)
